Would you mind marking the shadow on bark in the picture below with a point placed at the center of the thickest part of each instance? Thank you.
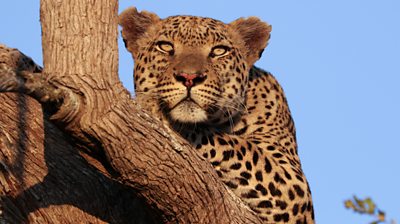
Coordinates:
(70, 180)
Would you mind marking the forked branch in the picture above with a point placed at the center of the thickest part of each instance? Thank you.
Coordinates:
(93, 107)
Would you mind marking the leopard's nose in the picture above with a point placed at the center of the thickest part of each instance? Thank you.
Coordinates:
(190, 80)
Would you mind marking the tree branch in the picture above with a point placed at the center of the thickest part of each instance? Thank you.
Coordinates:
(99, 112)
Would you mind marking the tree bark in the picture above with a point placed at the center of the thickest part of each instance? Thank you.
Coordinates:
(46, 176)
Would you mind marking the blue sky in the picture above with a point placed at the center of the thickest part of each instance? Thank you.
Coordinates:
(339, 63)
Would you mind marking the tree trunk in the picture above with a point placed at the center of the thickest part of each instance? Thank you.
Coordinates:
(105, 152)
(44, 178)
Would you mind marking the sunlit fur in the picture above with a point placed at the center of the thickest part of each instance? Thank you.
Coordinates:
(233, 113)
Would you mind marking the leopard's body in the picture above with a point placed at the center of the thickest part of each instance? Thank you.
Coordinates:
(197, 76)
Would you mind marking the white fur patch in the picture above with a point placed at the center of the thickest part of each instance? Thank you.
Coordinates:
(188, 112)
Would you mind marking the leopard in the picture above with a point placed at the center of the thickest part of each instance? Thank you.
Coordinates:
(197, 76)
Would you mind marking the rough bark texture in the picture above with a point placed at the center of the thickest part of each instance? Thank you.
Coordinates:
(42, 169)
(44, 178)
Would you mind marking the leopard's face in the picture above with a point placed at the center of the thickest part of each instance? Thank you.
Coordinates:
(194, 68)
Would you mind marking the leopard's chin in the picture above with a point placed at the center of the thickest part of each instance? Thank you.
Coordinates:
(188, 112)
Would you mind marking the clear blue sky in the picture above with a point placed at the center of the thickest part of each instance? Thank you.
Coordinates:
(339, 63)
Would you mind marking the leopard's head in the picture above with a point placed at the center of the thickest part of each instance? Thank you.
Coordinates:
(195, 69)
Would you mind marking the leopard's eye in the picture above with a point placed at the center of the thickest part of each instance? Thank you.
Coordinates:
(219, 51)
(165, 47)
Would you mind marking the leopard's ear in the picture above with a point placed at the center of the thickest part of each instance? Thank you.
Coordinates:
(135, 25)
(255, 35)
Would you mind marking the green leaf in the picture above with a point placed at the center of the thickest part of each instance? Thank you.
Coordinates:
(371, 206)
(381, 216)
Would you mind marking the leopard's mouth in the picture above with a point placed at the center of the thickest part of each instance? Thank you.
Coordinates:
(187, 100)
(188, 111)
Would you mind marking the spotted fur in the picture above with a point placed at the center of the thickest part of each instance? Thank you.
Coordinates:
(197, 75)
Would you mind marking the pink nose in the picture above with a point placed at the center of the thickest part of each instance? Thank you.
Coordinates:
(190, 80)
